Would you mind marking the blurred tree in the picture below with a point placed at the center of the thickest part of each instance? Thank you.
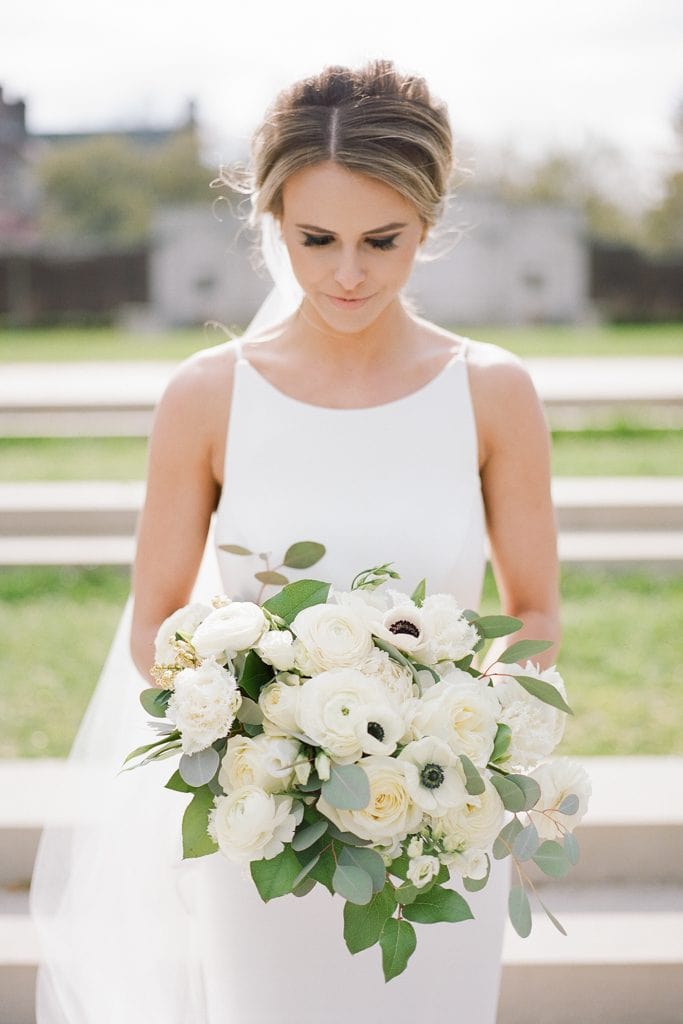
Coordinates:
(105, 189)
(664, 222)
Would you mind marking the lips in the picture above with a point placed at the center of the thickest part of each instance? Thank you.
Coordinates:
(349, 303)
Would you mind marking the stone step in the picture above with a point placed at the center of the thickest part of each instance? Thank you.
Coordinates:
(105, 507)
(621, 961)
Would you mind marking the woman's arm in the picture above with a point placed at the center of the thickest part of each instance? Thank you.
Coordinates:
(521, 522)
(181, 494)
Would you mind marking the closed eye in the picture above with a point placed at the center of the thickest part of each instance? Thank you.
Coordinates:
(388, 242)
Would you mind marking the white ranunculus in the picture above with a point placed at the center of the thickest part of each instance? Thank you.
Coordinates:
(250, 824)
(422, 869)
(434, 775)
(370, 605)
(231, 628)
(462, 711)
(265, 761)
(391, 812)
(333, 636)
(331, 711)
(557, 779)
(203, 704)
(448, 634)
(536, 727)
(474, 826)
(184, 620)
(279, 702)
(276, 648)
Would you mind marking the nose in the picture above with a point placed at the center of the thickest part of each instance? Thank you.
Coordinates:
(349, 272)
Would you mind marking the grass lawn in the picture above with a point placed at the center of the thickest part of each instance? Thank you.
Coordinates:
(61, 344)
(620, 657)
(622, 451)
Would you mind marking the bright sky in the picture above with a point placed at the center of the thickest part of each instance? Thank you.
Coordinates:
(530, 73)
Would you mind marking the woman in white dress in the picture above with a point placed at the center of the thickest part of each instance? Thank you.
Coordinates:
(348, 419)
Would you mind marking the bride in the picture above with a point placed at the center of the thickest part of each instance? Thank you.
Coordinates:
(340, 416)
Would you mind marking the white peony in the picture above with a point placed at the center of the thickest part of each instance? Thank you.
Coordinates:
(250, 824)
(422, 869)
(473, 826)
(448, 634)
(434, 775)
(331, 711)
(462, 711)
(276, 648)
(391, 812)
(557, 779)
(184, 620)
(265, 761)
(279, 702)
(395, 678)
(231, 628)
(203, 704)
(332, 636)
(536, 727)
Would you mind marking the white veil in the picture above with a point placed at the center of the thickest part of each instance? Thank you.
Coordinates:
(110, 896)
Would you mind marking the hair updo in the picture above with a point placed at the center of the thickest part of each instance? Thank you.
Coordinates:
(373, 120)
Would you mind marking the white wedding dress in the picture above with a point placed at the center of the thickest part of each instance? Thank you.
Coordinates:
(394, 482)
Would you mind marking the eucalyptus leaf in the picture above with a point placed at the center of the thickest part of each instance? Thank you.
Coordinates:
(347, 838)
(406, 893)
(196, 840)
(363, 923)
(276, 579)
(347, 788)
(369, 861)
(155, 701)
(394, 653)
(502, 845)
(570, 804)
(305, 837)
(303, 554)
(474, 784)
(198, 769)
(438, 904)
(510, 793)
(497, 625)
(552, 859)
(353, 883)
(544, 691)
(530, 788)
(296, 596)
(304, 887)
(526, 843)
(571, 848)
(306, 870)
(523, 649)
(235, 549)
(398, 942)
(519, 910)
(552, 917)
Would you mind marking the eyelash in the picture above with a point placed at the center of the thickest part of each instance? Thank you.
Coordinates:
(376, 243)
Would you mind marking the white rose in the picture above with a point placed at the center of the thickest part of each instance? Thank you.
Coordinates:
(557, 779)
(265, 761)
(536, 727)
(331, 711)
(234, 627)
(434, 775)
(448, 634)
(474, 825)
(390, 814)
(415, 847)
(184, 620)
(275, 648)
(422, 869)
(279, 702)
(250, 824)
(462, 711)
(203, 704)
(333, 637)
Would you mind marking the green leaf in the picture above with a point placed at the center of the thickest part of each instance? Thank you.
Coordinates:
(306, 870)
(347, 788)
(353, 883)
(305, 887)
(155, 743)
(296, 596)
(438, 904)
(303, 554)
(530, 789)
(552, 858)
(505, 838)
(347, 838)
(570, 804)
(544, 691)
(196, 840)
(276, 579)
(155, 701)
(519, 910)
(255, 675)
(324, 869)
(526, 843)
(398, 942)
(177, 783)
(418, 595)
(497, 625)
(571, 848)
(406, 893)
(198, 769)
(501, 744)
(275, 876)
(369, 861)
(522, 649)
(510, 793)
(474, 784)
(363, 923)
(399, 866)
(235, 549)
(305, 837)
(475, 884)
(551, 916)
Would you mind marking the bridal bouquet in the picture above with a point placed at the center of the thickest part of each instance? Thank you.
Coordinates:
(344, 739)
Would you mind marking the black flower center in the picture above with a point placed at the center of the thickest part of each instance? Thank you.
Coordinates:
(376, 730)
(432, 776)
(404, 626)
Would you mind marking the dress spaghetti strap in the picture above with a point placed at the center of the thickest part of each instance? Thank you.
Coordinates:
(237, 345)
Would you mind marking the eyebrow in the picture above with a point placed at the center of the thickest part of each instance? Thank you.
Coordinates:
(373, 231)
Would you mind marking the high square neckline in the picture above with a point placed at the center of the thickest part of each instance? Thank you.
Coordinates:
(458, 356)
